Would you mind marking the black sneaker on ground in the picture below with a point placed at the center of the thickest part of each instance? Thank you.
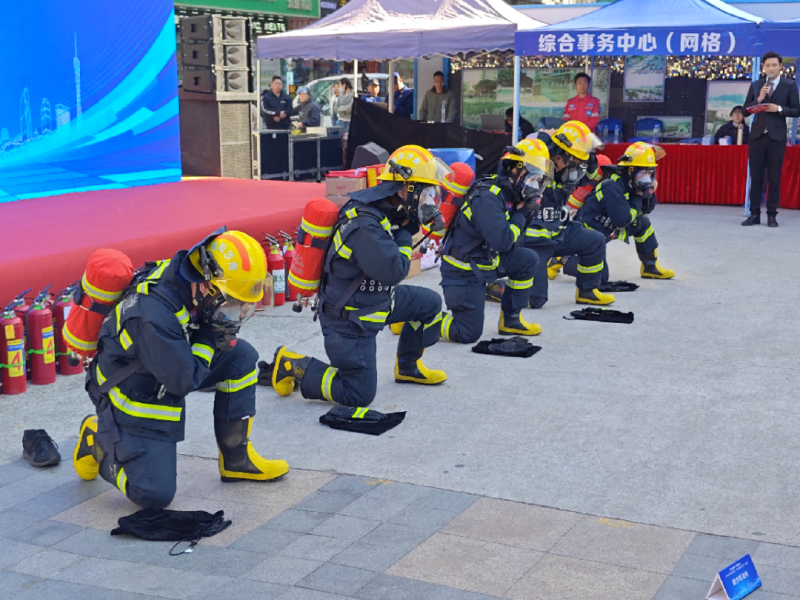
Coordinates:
(752, 220)
(772, 222)
(39, 449)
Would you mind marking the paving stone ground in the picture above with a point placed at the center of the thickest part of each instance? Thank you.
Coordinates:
(320, 536)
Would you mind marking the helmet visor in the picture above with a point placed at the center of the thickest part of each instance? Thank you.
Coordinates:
(232, 312)
(245, 290)
(428, 203)
(534, 182)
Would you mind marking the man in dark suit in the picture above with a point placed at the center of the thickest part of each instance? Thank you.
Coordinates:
(767, 143)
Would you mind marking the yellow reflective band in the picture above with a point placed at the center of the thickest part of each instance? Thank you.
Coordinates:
(468, 213)
(122, 481)
(447, 320)
(341, 249)
(182, 315)
(414, 324)
(434, 322)
(235, 385)
(592, 269)
(141, 409)
(125, 340)
(515, 230)
(327, 383)
(495, 190)
(386, 224)
(541, 233)
(595, 175)
(646, 235)
(508, 216)
(466, 267)
(633, 214)
(303, 284)
(627, 196)
(322, 232)
(520, 284)
(360, 412)
(376, 317)
(98, 294)
(599, 194)
(143, 288)
(623, 235)
(77, 342)
(615, 177)
(118, 313)
(203, 351)
(352, 213)
(406, 251)
(162, 265)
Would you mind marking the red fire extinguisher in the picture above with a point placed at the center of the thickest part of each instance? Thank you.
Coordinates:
(63, 305)
(12, 349)
(41, 340)
(288, 257)
(276, 268)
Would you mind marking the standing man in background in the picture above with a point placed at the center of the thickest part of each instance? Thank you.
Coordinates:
(276, 106)
(307, 110)
(436, 98)
(584, 107)
(403, 98)
(767, 143)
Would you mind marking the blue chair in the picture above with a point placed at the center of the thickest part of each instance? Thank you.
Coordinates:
(644, 128)
(691, 141)
(550, 123)
(610, 124)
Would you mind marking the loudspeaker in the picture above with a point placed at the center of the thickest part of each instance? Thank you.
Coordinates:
(216, 55)
(368, 155)
(216, 138)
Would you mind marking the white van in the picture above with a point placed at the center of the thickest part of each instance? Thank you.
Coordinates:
(322, 90)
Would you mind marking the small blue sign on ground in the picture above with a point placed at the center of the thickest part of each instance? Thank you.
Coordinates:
(735, 581)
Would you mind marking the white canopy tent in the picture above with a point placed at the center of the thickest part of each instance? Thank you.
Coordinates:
(393, 29)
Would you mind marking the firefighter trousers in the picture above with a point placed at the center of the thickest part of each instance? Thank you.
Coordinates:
(351, 378)
(144, 468)
(642, 234)
(589, 246)
(465, 297)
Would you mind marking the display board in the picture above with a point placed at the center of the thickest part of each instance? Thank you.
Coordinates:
(675, 128)
(644, 78)
(721, 97)
(90, 97)
(543, 92)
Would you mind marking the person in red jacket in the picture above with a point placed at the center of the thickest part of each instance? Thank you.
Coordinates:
(584, 107)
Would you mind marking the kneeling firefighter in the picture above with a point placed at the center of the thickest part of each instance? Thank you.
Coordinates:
(173, 332)
(370, 255)
(481, 245)
(619, 206)
(551, 232)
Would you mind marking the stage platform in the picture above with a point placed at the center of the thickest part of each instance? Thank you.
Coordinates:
(48, 240)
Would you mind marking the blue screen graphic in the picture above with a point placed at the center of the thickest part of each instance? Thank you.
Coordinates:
(90, 96)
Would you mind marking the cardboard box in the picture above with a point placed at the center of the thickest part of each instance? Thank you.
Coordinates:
(339, 201)
(417, 238)
(341, 186)
(415, 268)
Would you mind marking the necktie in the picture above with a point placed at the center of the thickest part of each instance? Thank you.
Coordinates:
(739, 132)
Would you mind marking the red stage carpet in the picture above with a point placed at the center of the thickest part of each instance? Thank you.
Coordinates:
(48, 240)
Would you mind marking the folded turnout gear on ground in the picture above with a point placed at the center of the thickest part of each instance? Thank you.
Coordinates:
(605, 315)
(618, 286)
(361, 420)
(161, 525)
(515, 346)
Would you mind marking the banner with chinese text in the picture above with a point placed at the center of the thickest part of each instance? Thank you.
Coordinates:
(638, 42)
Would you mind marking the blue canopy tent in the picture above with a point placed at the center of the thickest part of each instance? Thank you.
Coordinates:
(647, 28)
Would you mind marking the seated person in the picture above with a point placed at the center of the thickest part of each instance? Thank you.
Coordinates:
(307, 110)
(736, 128)
(525, 126)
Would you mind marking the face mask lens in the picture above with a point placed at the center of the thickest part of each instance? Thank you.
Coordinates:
(644, 179)
(430, 198)
(232, 312)
(576, 171)
(532, 185)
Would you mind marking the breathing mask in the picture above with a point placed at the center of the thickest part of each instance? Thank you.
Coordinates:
(225, 315)
(531, 184)
(428, 200)
(644, 180)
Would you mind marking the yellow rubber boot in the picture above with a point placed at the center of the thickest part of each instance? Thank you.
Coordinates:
(554, 265)
(514, 324)
(417, 372)
(396, 328)
(650, 268)
(594, 296)
(83, 459)
(287, 368)
(238, 460)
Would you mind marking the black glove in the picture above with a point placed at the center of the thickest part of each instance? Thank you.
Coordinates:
(515, 346)
(411, 227)
(219, 338)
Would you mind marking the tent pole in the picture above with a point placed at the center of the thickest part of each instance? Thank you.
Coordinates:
(793, 131)
(390, 87)
(355, 78)
(756, 72)
(591, 73)
(515, 128)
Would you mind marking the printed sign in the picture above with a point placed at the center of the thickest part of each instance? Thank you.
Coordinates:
(644, 79)
(48, 345)
(736, 581)
(16, 358)
(9, 332)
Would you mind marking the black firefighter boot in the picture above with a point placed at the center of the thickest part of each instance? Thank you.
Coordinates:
(288, 370)
(651, 269)
(237, 458)
(512, 323)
